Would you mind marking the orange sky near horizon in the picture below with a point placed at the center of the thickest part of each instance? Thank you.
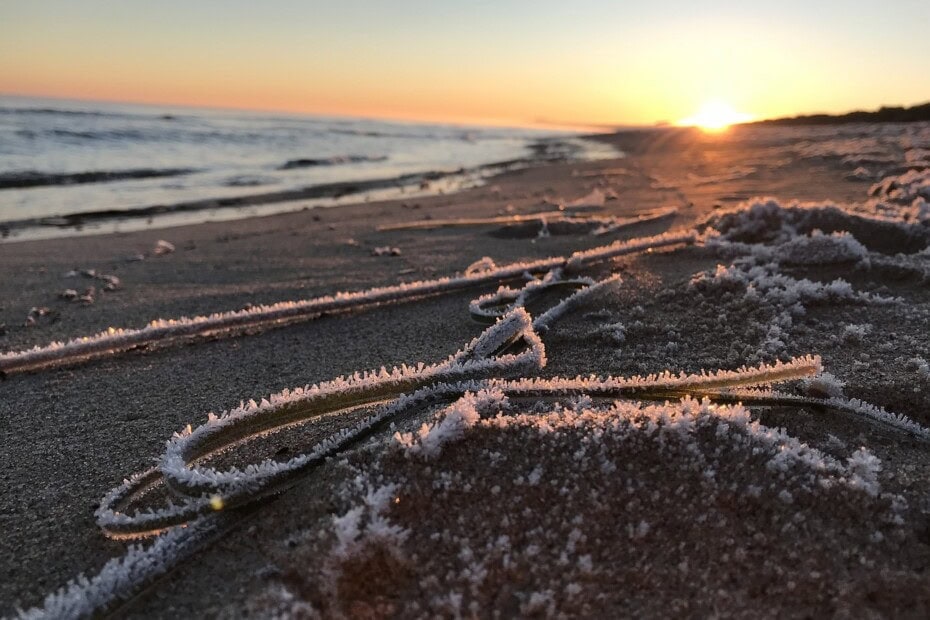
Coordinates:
(512, 63)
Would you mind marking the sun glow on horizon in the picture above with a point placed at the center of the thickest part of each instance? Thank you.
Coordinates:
(593, 64)
(715, 115)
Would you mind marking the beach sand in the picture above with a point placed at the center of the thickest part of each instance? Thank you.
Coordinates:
(70, 434)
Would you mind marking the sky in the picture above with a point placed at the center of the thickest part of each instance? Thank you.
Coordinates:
(585, 62)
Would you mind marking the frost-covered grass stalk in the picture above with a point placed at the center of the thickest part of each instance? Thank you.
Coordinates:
(488, 307)
(213, 490)
(208, 491)
(605, 224)
(483, 221)
(853, 406)
(621, 223)
(167, 331)
(553, 314)
(401, 390)
(206, 488)
(879, 415)
(121, 577)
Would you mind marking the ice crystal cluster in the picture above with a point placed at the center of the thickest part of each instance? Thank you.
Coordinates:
(769, 221)
(768, 241)
(777, 299)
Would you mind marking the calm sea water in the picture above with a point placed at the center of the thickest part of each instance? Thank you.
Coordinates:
(59, 158)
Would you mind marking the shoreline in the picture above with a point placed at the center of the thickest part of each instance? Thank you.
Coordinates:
(413, 185)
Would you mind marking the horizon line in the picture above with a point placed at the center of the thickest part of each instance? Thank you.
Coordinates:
(538, 123)
(425, 119)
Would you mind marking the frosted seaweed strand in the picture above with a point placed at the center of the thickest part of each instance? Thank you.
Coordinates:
(486, 355)
(601, 225)
(211, 490)
(168, 331)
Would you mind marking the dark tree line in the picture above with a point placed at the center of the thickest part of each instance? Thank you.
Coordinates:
(885, 114)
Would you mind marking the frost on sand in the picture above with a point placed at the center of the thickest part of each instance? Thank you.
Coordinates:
(605, 505)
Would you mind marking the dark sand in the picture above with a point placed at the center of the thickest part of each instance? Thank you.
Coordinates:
(71, 434)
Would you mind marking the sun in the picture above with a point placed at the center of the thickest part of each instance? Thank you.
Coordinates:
(715, 115)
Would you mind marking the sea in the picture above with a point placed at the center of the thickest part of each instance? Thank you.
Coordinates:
(77, 167)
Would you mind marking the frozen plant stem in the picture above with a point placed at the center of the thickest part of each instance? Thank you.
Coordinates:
(165, 332)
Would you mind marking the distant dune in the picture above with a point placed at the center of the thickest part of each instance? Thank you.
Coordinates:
(885, 114)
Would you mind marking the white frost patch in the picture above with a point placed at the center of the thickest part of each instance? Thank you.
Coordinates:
(784, 480)
(484, 264)
(163, 247)
(615, 332)
(856, 333)
(768, 220)
(821, 249)
(367, 524)
(921, 366)
(823, 385)
(764, 284)
(429, 440)
(864, 468)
